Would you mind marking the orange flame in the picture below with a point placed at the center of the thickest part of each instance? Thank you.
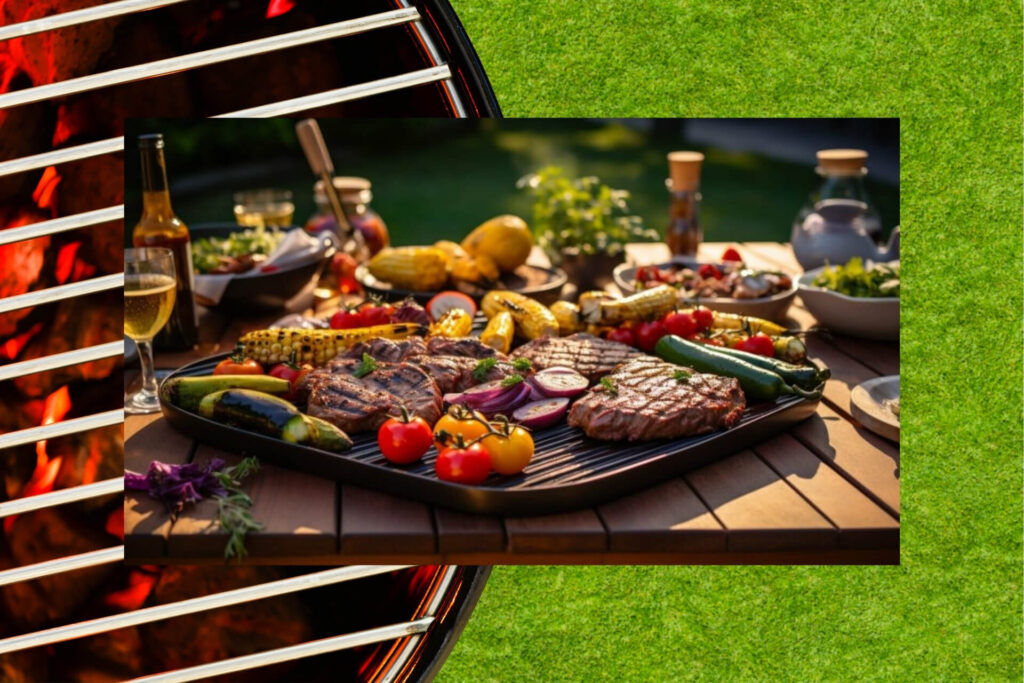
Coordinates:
(45, 193)
(69, 267)
(140, 585)
(44, 475)
(115, 523)
(278, 7)
(14, 346)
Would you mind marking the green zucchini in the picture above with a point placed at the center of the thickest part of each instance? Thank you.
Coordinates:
(187, 392)
(804, 376)
(757, 383)
(326, 436)
(257, 412)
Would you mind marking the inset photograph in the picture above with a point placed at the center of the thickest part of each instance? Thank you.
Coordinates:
(429, 341)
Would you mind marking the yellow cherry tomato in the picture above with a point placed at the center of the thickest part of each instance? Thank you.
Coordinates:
(459, 424)
(509, 454)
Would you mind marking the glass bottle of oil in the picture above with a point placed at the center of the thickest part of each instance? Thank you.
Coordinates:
(159, 227)
(684, 233)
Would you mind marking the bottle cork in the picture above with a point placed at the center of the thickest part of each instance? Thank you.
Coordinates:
(842, 161)
(684, 170)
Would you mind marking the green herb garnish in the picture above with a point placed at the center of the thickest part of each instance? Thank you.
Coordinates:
(233, 510)
(483, 367)
(609, 386)
(682, 376)
(367, 366)
(854, 279)
(511, 380)
(522, 364)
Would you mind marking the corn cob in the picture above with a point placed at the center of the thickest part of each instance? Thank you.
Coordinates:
(646, 305)
(499, 331)
(568, 316)
(532, 318)
(318, 347)
(733, 321)
(455, 323)
(416, 268)
(479, 270)
(589, 304)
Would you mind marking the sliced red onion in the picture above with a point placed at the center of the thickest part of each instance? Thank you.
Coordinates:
(541, 414)
(560, 384)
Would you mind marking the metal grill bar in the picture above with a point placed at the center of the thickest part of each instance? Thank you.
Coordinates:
(351, 92)
(171, 65)
(61, 292)
(193, 605)
(61, 360)
(82, 16)
(62, 564)
(52, 431)
(60, 156)
(61, 497)
(79, 220)
(285, 654)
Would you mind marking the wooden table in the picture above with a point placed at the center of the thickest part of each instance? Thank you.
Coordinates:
(827, 491)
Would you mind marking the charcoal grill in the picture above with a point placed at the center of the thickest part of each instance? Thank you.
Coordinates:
(372, 57)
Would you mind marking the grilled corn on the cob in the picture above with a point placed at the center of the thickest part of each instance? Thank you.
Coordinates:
(646, 305)
(568, 316)
(532, 318)
(479, 269)
(316, 346)
(416, 268)
(733, 321)
(499, 331)
(455, 323)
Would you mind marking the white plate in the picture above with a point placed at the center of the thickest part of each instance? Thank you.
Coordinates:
(869, 404)
(872, 318)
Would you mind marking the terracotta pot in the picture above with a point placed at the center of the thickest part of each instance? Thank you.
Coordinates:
(590, 271)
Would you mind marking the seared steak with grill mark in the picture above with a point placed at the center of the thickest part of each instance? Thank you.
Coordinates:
(358, 404)
(469, 347)
(588, 355)
(649, 403)
(388, 350)
(455, 373)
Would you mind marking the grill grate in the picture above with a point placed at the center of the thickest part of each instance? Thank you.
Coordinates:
(439, 72)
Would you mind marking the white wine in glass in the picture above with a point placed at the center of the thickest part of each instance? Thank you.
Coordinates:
(150, 287)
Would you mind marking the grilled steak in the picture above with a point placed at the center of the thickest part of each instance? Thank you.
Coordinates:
(359, 404)
(470, 347)
(455, 373)
(388, 350)
(649, 403)
(588, 355)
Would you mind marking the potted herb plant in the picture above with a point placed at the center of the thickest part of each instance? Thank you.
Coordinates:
(582, 224)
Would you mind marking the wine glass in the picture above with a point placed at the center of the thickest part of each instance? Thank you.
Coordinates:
(149, 291)
(266, 208)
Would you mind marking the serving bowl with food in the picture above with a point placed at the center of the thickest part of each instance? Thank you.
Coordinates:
(510, 408)
(728, 285)
(859, 298)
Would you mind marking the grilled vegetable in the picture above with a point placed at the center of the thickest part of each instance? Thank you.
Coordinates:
(238, 364)
(187, 392)
(511, 449)
(790, 349)
(543, 413)
(646, 305)
(568, 316)
(499, 331)
(559, 382)
(758, 383)
(316, 346)
(257, 412)
(443, 302)
(404, 439)
(734, 321)
(454, 323)
(326, 436)
(532, 318)
(806, 376)
(479, 270)
(505, 239)
(589, 304)
(416, 268)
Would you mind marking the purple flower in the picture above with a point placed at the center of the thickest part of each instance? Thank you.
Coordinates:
(178, 485)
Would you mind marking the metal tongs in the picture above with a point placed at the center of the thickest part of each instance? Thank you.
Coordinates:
(312, 141)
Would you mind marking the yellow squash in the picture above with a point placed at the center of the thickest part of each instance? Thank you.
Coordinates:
(499, 331)
(505, 239)
(532, 318)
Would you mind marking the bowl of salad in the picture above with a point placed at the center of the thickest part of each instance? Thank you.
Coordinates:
(227, 253)
(859, 298)
(729, 285)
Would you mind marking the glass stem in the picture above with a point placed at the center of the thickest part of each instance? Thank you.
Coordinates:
(149, 385)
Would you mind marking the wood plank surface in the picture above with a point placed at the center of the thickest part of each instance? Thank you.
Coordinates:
(760, 511)
(571, 532)
(460, 532)
(664, 518)
(374, 522)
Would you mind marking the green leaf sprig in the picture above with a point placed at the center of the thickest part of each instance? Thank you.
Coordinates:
(234, 510)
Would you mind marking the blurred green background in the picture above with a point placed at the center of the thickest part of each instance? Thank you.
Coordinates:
(438, 179)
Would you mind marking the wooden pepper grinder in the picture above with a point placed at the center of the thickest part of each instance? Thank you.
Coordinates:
(684, 233)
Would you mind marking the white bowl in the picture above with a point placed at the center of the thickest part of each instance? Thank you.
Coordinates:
(871, 318)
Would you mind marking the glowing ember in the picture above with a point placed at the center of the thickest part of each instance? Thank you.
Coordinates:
(115, 523)
(69, 267)
(45, 194)
(140, 585)
(278, 7)
(45, 473)
(13, 346)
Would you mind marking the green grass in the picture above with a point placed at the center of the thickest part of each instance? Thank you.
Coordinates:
(952, 609)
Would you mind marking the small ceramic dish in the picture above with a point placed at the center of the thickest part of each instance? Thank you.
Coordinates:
(872, 402)
(871, 318)
(772, 307)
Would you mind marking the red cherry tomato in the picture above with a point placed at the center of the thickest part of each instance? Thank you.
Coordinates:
(468, 465)
(293, 373)
(346, 320)
(648, 334)
(238, 365)
(708, 270)
(760, 343)
(404, 439)
(374, 314)
(731, 254)
(680, 324)
(623, 335)
(704, 318)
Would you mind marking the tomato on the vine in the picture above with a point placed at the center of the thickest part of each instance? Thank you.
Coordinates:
(404, 439)
(510, 453)
(237, 364)
(708, 270)
(458, 421)
(680, 324)
(704, 318)
(463, 465)
(623, 335)
(760, 343)
(346, 320)
(376, 314)
(648, 334)
(293, 374)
